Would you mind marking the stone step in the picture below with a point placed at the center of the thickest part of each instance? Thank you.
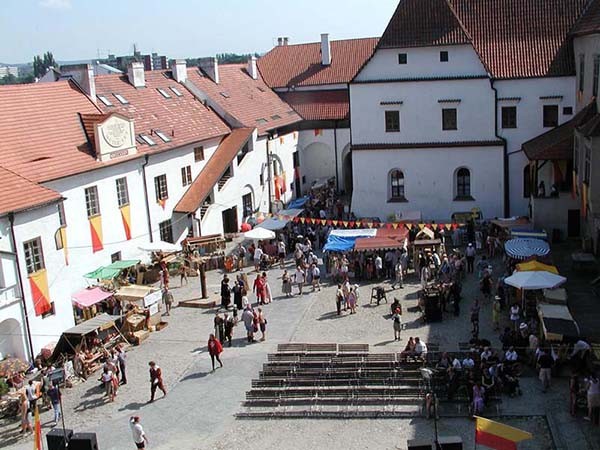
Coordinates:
(204, 303)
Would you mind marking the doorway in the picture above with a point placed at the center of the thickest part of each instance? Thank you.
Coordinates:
(573, 223)
(230, 222)
(347, 171)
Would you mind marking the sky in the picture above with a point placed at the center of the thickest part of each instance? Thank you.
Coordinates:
(82, 29)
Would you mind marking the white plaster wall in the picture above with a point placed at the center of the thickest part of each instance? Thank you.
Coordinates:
(420, 112)
(590, 47)
(422, 62)
(429, 181)
(529, 123)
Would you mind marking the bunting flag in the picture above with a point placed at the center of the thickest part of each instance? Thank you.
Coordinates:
(38, 283)
(37, 430)
(126, 218)
(497, 435)
(96, 232)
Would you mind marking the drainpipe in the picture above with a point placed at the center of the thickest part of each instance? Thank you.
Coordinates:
(146, 197)
(505, 159)
(335, 146)
(13, 241)
(269, 140)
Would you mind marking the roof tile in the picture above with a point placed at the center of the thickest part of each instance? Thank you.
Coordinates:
(319, 105)
(18, 193)
(589, 22)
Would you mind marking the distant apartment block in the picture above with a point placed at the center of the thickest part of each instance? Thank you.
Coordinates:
(9, 70)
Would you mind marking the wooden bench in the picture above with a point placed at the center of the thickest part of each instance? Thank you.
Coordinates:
(321, 348)
(353, 349)
(291, 348)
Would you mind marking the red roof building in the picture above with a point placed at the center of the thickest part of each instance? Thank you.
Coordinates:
(319, 104)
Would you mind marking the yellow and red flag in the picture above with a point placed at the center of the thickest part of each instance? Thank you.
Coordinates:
(38, 283)
(37, 430)
(126, 218)
(96, 232)
(497, 435)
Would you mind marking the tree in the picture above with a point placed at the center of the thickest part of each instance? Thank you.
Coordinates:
(42, 64)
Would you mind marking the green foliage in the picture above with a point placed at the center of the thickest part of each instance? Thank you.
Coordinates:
(22, 79)
(41, 64)
(3, 387)
(224, 58)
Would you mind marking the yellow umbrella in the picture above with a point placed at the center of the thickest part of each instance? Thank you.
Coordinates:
(536, 266)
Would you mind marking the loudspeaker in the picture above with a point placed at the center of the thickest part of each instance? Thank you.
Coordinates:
(57, 440)
(83, 441)
(419, 444)
(451, 442)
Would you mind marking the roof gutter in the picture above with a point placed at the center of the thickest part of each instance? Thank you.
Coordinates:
(13, 241)
(505, 159)
(146, 158)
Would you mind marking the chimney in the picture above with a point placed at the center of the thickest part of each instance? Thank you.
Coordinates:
(279, 41)
(135, 73)
(210, 66)
(83, 74)
(179, 70)
(252, 69)
(286, 40)
(325, 50)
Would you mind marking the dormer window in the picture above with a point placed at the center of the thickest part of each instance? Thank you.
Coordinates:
(261, 121)
(176, 91)
(224, 94)
(162, 135)
(121, 99)
(105, 100)
(164, 93)
(275, 117)
(147, 139)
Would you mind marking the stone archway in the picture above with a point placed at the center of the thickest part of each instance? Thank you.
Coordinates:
(347, 171)
(12, 339)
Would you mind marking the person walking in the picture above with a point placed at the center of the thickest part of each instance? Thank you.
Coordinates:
(268, 294)
(281, 251)
(107, 378)
(31, 393)
(219, 325)
(593, 396)
(496, 309)
(122, 358)
(248, 319)
(378, 267)
(139, 436)
(259, 289)
(397, 319)
(214, 350)
(470, 254)
(351, 300)
(229, 324)
(167, 298)
(156, 380)
(183, 276)
(399, 275)
(316, 277)
(26, 412)
(258, 254)
(515, 315)
(299, 278)
(262, 324)
(339, 299)
(54, 396)
(286, 284)
(225, 292)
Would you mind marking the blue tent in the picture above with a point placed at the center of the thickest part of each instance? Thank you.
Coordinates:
(340, 243)
(298, 203)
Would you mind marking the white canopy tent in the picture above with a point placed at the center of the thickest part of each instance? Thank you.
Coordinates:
(280, 220)
(535, 280)
(259, 234)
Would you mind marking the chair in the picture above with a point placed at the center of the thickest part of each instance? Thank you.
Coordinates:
(378, 294)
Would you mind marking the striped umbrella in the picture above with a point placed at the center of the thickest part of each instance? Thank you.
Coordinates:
(526, 248)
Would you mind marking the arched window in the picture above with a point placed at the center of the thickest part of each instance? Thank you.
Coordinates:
(463, 183)
(396, 185)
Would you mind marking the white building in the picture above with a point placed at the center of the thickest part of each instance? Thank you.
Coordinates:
(9, 70)
(440, 87)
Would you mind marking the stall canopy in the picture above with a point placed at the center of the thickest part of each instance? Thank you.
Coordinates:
(526, 233)
(160, 246)
(281, 220)
(376, 243)
(536, 266)
(398, 234)
(558, 323)
(112, 270)
(298, 203)
(259, 233)
(534, 280)
(513, 222)
(343, 240)
(526, 248)
(72, 337)
(89, 297)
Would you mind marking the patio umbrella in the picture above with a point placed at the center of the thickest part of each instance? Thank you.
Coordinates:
(526, 248)
(536, 266)
(10, 366)
(259, 233)
(529, 281)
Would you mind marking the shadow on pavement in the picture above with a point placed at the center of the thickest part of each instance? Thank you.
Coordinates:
(133, 406)
(384, 343)
(195, 376)
(92, 403)
(332, 315)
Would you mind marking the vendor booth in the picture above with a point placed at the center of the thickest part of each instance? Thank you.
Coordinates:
(557, 323)
(343, 240)
(117, 273)
(141, 306)
(527, 233)
(526, 248)
(556, 296)
(89, 302)
(281, 220)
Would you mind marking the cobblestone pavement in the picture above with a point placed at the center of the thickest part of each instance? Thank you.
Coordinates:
(198, 412)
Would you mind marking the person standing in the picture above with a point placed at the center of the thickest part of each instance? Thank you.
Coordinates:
(183, 275)
(219, 325)
(122, 358)
(26, 411)
(259, 289)
(248, 319)
(470, 254)
(316, 277)
(225, 292)
(281, 251)
(399, 275)
(378, 267)
(397, 319)
(339, 299)
(286, 284)
(167, 298)
(156, 380)
(229, 324)
(241, 254)
(258, 253)
(107, 378)
(139, 437)
(262, 324)
(545, 361)
(32, 397)
(351, 300)
(214, 350)
(515, 315)
(593, 396)
(299, 278)
(54, 396)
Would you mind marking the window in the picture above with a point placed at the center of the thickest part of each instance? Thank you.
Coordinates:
(91, 201)
(550, 116)
(397, 185)
(581, 72)
(34, 257)
(147, 139)
(392, 121)
(115, 257)
(587, 168)
(164, 93)
(176, 91)
(62, 219)
(121, 99)
(444, 56)
(509, 117)
(166, 231)
(163, 136)
(596, 80)
(402, 59)
(568, 111)
(242, 154)
(261, 121)
(261, 179)
(247, 204)
(199, 154)
(526, 181)
(104, 100)
(296, 159)
(186, 176)
(449, 119)
(275, 117)
(463, 183)
(122, 192)
(160, 187)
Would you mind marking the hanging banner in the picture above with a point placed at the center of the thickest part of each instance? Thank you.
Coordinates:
(38, 283)
(96, 232)
(126, 219)
(63, 238)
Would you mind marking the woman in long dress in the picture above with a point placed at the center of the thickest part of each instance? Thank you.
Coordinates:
(286, 284)
(268, 296)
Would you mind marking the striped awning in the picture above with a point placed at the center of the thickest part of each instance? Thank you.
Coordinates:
(526, 248)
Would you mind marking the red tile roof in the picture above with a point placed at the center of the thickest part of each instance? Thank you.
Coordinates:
(589, 22)
(300, 65)
(514, 38)
(250, 101)
(213, 170)
(183, 118)
(319, 105)
(557, 144)
(18, 193)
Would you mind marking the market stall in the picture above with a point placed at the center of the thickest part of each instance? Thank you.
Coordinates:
(281, 220)
(556, 296)
(526, 248)
(116, 274)
(536, 266)
(527, 233)
(557, 323)
(141, 307)
(343, 240)
(533, 281)
(89, 302)
(376, 244)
